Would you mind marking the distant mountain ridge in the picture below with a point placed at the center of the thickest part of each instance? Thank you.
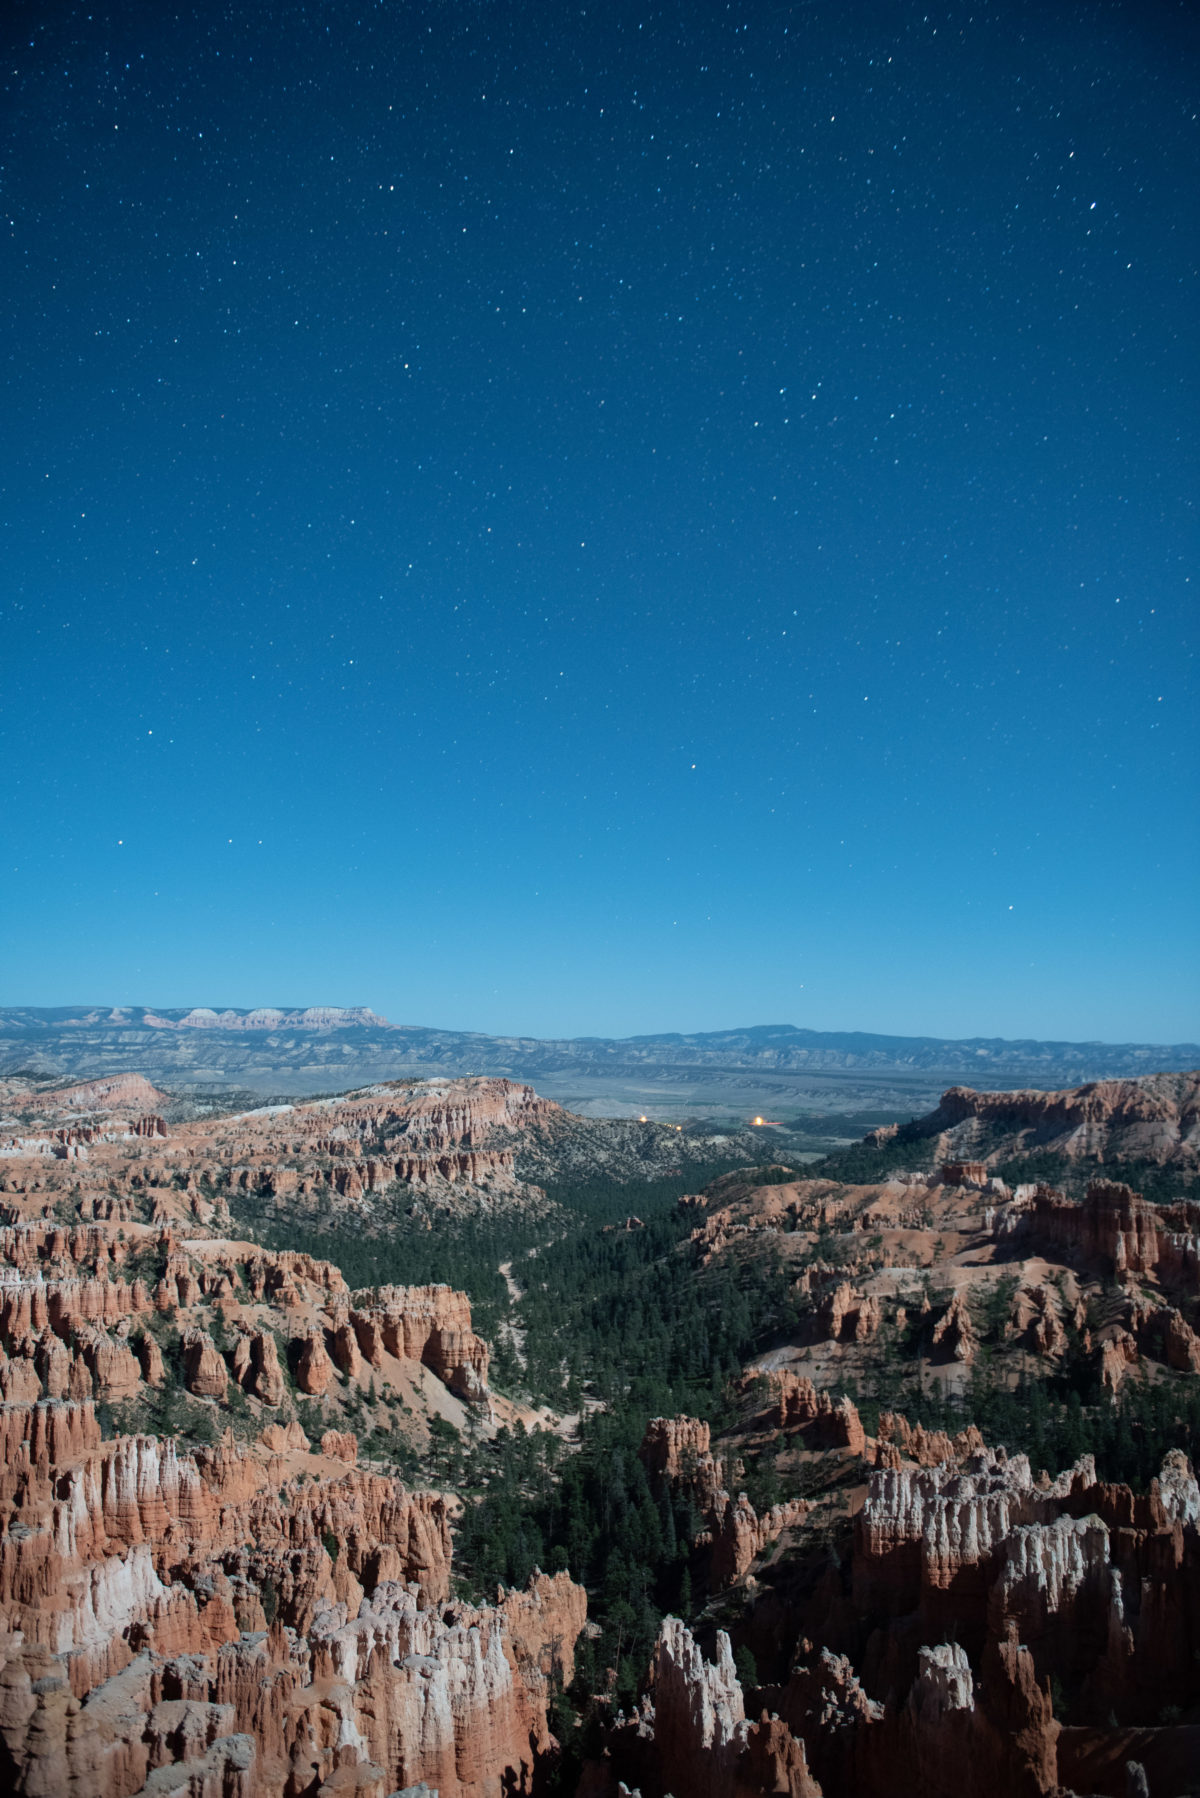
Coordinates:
(333, 1047)
(203, 1017)
(788, 1047)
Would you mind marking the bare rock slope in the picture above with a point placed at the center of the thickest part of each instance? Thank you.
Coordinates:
(265, 1614)
(460, 1143)
(1155, 1118)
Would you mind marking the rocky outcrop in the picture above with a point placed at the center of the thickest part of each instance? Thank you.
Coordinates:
(340, 1445)
(971, 1174)
(898, 1441)
(978, 1590)
(954, 1333)
(675, 1452)
(431, 1324)
(455, 1144)
(136, 1573)
(314, 1369)
(389, 1695)
(703, 1744)
(1115, 1227)
(930, 1537)
(150, 1358)
(1037, 1318)
(1118, 1352)
(115, 1371)
(126, 1093)
(346, 1353)
(244, 1620)
(739, 1537)
(205, 1372)
(256, 1367)
(846, 1316)
(1155, 1118)
(826, 1421)
(1180, 1343)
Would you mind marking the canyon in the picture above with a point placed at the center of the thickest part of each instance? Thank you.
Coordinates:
(238, 1492)
(259, 1611)
(474, 1142)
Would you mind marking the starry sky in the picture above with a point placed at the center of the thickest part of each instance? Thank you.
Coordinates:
(603, 518)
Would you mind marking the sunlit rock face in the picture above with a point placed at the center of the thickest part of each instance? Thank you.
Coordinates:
(702, 1741)
(134, 1573)
(977, 1590)
(1154, 1118)
(429, 1324)
(255, 1617)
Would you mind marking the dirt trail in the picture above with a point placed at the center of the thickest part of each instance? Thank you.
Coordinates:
(564, 1424)
(511, 1331)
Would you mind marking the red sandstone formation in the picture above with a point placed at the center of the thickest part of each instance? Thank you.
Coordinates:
(1114, 1225)
(675, 1452)
(702, 1741)
(829, 1423)
(1156, 1118)
(954, 1333)
(429, 1133)
(899, 1441)
(127, 1593)
(236, 1622)
(431, 1324)
(150, 1360)
(975, 1587)
(739, 1537)
(1037, 1317)
(455, 1140)
(345, 1350)
(1181, 1345)
(846, 1316)
(256, 1367)
(314, 1369)
(205, 1373)
(127, 1093)
(965, 1173)
(340, 1445)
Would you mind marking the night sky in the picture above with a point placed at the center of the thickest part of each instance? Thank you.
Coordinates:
(599, 519)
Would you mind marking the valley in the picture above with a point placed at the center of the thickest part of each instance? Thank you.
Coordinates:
(228, 1055)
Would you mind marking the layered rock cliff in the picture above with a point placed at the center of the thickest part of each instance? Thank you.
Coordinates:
(1155, 1118)
(978, 1592)
(259, 1616)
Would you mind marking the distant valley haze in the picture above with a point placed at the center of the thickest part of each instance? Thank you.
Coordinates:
(774, 1071)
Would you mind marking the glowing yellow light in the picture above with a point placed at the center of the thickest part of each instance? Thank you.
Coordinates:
(758, 1120)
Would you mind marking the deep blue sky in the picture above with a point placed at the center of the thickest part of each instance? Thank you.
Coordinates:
(607, 518)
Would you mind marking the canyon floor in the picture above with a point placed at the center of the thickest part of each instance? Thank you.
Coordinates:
(433, 1437)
